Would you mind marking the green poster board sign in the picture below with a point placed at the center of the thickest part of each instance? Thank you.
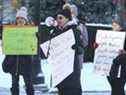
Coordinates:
(20, 40)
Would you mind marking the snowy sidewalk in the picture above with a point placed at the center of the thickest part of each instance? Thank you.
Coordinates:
(90, 80)
(7, 92)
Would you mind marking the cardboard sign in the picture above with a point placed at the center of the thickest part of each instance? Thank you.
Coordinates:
(109, 44)
(61, 56)
(19, 40)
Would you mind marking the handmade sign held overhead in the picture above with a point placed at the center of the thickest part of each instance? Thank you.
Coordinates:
(109, 44)
(20, 40)
(61, 56)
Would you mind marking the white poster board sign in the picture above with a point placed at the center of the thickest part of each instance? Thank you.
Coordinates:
(61, 56)
(109, 44)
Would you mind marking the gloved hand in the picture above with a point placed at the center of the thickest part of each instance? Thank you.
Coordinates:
(95, 45)
(75, 46)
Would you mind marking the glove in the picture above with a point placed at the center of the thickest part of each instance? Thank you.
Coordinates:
(74, 46)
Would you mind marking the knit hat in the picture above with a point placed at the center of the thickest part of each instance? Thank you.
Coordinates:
(73, 8)
(22, 12)
(66, 13)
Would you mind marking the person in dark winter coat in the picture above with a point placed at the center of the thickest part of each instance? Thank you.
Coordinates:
(71, 85)
(117, 75)
(80, 22)
(18, 65)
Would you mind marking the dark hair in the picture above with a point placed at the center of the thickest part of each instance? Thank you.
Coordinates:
(82, 18)
(66, 13)
(119, 21)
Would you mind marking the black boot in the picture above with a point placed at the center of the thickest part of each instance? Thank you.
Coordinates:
(14, 91)
(117, 86)
(30, 92)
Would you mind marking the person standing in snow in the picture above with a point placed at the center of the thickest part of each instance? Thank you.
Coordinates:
(117, 75)
(18, 65)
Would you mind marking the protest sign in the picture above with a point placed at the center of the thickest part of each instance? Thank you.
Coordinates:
(19, 40)
(61, 56)
(109, 44)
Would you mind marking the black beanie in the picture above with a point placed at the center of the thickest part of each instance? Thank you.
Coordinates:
(66, 13)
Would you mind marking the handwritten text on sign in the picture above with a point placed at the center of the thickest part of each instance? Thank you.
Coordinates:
(61, 56)
(109, 44)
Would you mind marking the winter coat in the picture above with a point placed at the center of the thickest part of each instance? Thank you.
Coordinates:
(73, 80)
(20, 64)
(118, 68)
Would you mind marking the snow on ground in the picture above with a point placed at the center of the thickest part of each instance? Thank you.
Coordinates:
(90, 81)
(5, 79)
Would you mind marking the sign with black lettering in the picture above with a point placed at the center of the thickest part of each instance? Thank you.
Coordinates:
(109, 44)
(61, 56)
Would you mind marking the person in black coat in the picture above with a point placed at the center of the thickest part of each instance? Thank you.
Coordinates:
(18, 65)
(117, 75)
(71, 85)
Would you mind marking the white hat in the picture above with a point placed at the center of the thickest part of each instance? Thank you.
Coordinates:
(22, 12)
(74, 10)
